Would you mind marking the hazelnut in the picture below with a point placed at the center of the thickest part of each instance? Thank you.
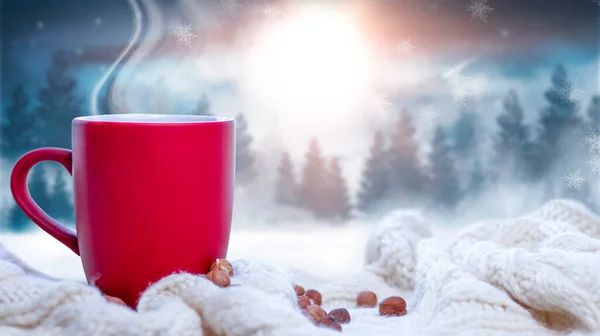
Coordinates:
(222, 265)
(314, 295)
(115, 300)
(299, 290)
(303, 301)
(392, 306)
(219, 278)
(366, 299)
(340, 315)
(329, 322)
(315, 312)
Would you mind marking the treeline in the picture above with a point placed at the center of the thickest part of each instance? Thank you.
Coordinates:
(45, 121)
(399, 172)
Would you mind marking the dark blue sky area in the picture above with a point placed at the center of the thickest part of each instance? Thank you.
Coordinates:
(519, 36)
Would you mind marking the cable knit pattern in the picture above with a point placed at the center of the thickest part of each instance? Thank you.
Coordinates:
(538, 274)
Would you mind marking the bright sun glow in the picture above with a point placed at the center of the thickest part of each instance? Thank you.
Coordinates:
(317, 62)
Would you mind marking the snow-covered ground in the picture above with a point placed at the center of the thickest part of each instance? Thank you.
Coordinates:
(309, 249)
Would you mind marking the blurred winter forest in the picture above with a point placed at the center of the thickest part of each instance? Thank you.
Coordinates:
(458, 161)
(450, 178)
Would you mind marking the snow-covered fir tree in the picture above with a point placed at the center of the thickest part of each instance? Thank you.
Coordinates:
(407, 180)
(62, 207)
(286, 188)
(245, 169)
(559, 123)
(465, 146)
(312, 188)
(444, 185)
(57, 104)
(512, 146)
(16, 131)
(337, 197)
(38, 187)
(593, 113)
(375, 176)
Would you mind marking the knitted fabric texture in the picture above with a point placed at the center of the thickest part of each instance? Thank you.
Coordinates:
(537, 274)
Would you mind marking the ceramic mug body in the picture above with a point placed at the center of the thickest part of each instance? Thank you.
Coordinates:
(153, 195)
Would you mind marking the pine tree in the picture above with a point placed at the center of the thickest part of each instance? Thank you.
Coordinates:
(16, 130)
(244, 157)
(445, 188)
(312, 188)
(38, 188)
(559, 122)
(337, 192)
(202, 107)
(465, 136)
(406, 170)
(374, 182)
(593, 113)
(57, 104)
(286, 190)
(477, 179)
(513, 145)
(62, 208)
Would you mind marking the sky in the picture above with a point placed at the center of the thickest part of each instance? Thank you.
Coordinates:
(336, 70)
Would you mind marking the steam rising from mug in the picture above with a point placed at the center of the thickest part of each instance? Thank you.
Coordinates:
(115, 92)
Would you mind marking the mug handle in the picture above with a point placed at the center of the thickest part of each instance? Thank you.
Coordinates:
(18, 186)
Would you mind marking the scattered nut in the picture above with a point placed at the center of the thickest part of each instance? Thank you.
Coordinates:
(299, 290)
(315, 312)
(392, 306)
(219, 278)
(303, 301)
(366, 299)
(314, 295)
(329, 322)
(222, 265)
(115, 300)
(340, 315)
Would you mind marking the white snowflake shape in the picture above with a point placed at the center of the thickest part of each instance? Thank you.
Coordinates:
(518, 152)
(460, 94)
(272, 9)
(570, 91)
(592, 139)
(406, 47)
(427, 115)
(182, 33)
(573, 179)
(594, 164)
(230, 6)
(382, 107)
(479, 9)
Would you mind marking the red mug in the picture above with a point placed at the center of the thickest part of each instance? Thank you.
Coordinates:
(153, 196)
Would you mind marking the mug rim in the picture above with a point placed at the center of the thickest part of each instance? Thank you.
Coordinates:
(142, 118)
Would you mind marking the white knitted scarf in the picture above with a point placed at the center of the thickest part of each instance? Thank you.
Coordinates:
(537, 274)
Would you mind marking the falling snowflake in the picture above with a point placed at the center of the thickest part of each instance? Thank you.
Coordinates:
(182, 33)
(460, 94)
(272, 9)
(479, 10)
(382, 107)
(427, 116)
(592, 139)
(405, 46)
(594, 164)
(518, 152)
(597, 1)
(230, 6)
(573, 179)
(569, 91)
